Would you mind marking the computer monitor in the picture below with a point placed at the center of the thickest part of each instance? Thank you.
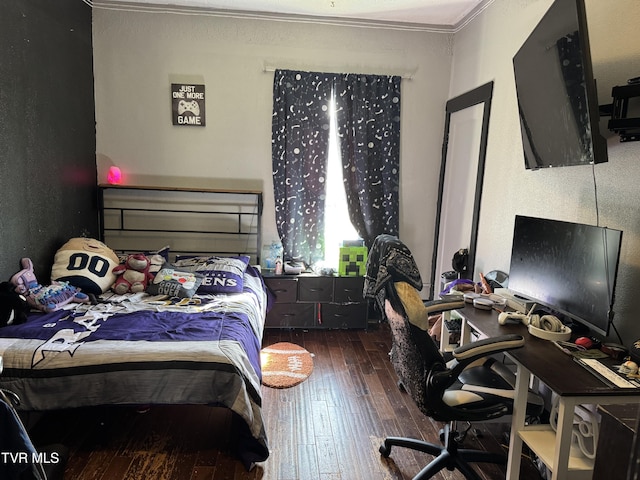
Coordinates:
(568, 267)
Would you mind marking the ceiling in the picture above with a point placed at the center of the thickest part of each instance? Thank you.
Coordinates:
(419, 14)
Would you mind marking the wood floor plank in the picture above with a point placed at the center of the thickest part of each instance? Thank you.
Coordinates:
(225, 468)
(283, 443)
(327, 456)
(96, 464)
(203, 473)
(118, 467)
(307, 460)
(383, 407)
(184, 465)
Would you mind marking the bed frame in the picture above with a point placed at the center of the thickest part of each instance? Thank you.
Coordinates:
(190, 221)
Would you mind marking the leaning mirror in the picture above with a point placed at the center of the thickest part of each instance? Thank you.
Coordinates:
(461, 173)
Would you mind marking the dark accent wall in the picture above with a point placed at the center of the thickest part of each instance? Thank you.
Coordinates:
(47, 131)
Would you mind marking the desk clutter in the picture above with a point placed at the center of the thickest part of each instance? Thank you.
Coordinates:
(481, 294)
(610, 362)
(485, 301)
(601, 359)
(547, 327)
(604, 361)
(610, 374)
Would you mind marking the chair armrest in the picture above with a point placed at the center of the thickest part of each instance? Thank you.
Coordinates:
(469, 353)
(435, 306)
(487, 346)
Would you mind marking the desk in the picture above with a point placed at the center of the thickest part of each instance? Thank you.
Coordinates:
(571, 382)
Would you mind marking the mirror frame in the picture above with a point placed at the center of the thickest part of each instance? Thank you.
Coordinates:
(479, 95)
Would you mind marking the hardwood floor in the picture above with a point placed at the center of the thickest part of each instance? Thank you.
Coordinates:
(327, 428)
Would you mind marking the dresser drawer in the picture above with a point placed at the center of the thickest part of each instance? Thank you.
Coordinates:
(351, 315)
(292, 315)
(315, 289)
(348, 289)
(285, 289)
(310, 301)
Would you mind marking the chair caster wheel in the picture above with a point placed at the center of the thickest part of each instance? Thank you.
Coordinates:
(384, 450)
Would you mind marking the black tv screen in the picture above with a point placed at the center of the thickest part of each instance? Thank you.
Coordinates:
(568, 267)
(557, 98)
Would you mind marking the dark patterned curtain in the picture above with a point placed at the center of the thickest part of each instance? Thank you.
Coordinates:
(368, 117)
(300, 138)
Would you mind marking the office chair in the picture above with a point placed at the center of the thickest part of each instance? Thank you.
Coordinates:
(472, 387)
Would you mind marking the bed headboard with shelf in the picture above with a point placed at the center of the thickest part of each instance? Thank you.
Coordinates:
(191, 221)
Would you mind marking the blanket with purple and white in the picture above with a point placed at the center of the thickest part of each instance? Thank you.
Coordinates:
(139, 350)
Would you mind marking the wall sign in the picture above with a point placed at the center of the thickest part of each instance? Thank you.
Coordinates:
(187, 105)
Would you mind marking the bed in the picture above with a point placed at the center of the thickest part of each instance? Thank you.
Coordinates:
(143, 349)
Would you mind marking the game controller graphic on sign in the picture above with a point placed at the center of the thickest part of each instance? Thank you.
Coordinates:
(188, 105)
(192, 107)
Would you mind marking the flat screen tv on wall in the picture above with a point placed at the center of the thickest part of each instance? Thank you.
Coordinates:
(557, 98)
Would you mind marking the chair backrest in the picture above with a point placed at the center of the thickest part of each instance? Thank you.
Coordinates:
(393, 280)
(413, 360)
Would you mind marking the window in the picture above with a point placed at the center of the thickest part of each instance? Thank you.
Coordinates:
(365, 129)
(337, 225)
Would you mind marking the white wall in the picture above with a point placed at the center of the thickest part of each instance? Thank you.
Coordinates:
(138, 55)
(483, 51)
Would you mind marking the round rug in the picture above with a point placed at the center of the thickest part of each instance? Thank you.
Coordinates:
(285, 364)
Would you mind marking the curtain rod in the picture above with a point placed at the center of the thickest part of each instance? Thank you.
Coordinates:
(404, 76)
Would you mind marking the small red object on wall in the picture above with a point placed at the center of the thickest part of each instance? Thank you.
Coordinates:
(114, 177)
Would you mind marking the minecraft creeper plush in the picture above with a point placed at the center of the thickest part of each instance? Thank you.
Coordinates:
(353, 261)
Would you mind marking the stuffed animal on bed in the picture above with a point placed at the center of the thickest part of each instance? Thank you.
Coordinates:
(13, 306)
(85, 263)
(133, 275)
(45, 298)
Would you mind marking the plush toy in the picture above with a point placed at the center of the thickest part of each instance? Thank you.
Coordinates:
(156, 262)
(13, 306)
(46, 298)
(133, 275)
(85, 263)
